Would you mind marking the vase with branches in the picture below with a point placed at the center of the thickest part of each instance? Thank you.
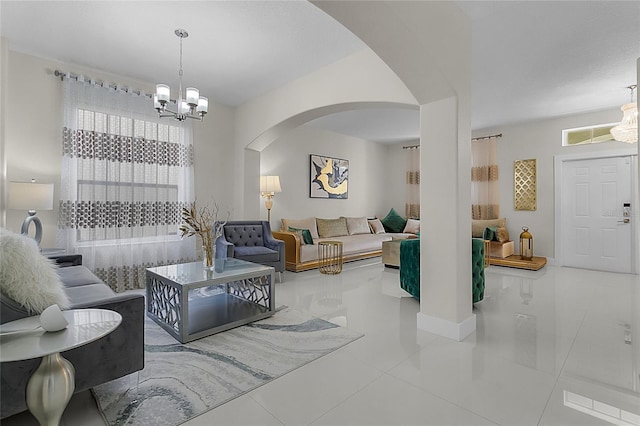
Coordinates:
(204, 223)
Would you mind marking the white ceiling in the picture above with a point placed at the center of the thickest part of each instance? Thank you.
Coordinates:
(531, 59)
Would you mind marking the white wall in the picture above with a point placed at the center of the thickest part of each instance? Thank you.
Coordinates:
(33, 128)
(213, 151)
(360, 80)
(541, 140)
(376, 175)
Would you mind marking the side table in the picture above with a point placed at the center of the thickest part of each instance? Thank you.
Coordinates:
(51, 385)
(330, 257)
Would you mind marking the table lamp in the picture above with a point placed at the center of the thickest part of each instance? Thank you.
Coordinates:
(269, 185)
(31, 196)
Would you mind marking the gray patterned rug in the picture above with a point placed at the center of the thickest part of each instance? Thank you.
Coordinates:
(180, 381)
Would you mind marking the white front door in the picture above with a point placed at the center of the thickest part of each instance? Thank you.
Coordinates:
(595, 232)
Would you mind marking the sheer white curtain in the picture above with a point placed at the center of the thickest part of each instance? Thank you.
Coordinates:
(412, 204)
(485, 195)
(125, 177)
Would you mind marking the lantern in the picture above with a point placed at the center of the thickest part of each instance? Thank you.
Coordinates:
(526, 244)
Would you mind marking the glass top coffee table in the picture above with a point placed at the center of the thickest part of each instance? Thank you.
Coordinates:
(190, 301)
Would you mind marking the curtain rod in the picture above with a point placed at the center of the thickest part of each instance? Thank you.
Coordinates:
(499, 135)
(100, 83)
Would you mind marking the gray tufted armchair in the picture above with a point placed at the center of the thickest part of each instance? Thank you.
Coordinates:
(251, 240)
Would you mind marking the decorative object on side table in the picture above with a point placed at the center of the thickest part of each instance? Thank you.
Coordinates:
(204, 223)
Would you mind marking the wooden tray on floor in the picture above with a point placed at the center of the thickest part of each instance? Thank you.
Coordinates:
(515, 261)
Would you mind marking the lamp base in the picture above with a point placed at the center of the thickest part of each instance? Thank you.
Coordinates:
(32, 218)
(268, 203)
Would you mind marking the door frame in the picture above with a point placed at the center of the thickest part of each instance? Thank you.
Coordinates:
(558, 164)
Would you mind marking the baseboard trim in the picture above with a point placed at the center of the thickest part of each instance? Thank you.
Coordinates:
(446, 328)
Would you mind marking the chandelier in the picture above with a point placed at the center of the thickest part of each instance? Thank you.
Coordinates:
(627, 130)
(191, 106)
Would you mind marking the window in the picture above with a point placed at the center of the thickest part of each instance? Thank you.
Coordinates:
(586, 135)
(128, 176)
(125, 177)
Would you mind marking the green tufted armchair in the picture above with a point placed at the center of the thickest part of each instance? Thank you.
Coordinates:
(410, 268)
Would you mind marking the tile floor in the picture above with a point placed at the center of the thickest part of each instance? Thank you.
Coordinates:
(558, 346)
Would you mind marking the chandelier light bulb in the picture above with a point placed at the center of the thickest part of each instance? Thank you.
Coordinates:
(163, 92)
(203, 105)
(192, 96)
(183, 107)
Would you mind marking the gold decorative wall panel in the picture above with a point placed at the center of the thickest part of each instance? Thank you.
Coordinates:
(524, 185)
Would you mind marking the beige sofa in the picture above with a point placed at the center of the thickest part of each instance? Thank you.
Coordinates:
(357, 237)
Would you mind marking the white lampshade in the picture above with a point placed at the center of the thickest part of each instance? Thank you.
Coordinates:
(192, 96)
(156, 103)
(270, 184)
(183, 107)
(203, 104)
(627, 130)
(30, 196)
(164, 92)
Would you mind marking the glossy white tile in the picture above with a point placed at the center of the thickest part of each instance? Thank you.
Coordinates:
(300, 397)
(560, 346)
(391, 401)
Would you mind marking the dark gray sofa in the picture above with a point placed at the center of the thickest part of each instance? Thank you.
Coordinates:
(115, 355)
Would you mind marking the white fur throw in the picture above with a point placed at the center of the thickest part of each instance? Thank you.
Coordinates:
(26, 276)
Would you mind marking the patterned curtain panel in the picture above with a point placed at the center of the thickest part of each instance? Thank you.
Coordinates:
(412, 205)
(485, 196)
(125, 177)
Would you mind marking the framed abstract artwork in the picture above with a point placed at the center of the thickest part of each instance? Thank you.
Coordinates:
(329, 177)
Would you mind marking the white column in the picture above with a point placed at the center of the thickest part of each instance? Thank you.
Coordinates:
(445, 243)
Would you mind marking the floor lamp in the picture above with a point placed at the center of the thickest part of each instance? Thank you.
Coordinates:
(269, 185)
(31, 196)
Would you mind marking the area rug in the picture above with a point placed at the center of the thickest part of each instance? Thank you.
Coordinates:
(181, 381)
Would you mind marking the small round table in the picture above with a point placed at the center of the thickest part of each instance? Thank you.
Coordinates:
(51, 385)
(330, 257)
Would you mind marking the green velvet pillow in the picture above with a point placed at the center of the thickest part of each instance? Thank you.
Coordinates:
(489, 233)
(393, 222)
(306, 234)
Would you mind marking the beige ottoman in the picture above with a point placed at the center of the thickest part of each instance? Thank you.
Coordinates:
(501, 250)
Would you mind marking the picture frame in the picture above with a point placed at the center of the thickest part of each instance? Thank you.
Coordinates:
(329, 177)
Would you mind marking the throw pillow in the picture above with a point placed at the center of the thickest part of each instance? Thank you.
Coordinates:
(308, 223)
(393, 222)
(332, 227)
(502, 235)
(358, 225)
(412, 226)
(489, 233)
(376, 226)
(26, 276)
(478, 225)
(304, 234)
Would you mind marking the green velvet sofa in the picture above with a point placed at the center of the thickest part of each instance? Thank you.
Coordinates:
(410, 268)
